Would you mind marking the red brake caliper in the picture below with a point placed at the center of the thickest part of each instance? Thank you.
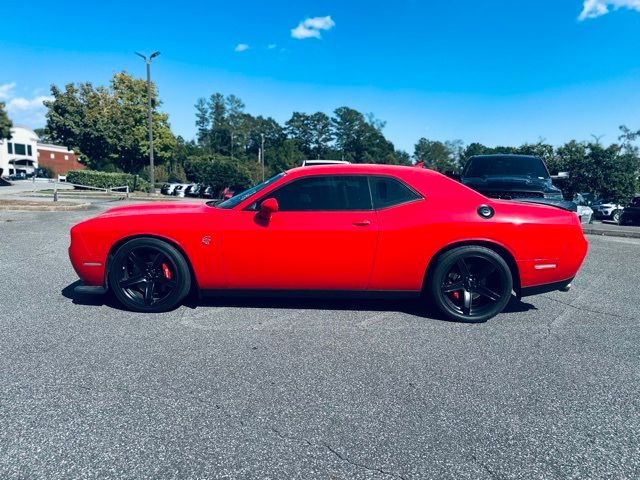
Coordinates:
(166, 271)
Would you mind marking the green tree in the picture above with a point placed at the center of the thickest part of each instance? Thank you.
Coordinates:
(203, 122)
(359, 139)
(5, 123)
(472, 149)
(348, 125)
(610, 172)
(312, 133)
(321, 135)
(108, 125)
(299, 129)
(438, 156)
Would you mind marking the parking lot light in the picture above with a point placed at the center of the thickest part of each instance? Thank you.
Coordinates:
(150, 115)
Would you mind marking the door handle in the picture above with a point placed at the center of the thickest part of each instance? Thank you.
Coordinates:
(362, 223)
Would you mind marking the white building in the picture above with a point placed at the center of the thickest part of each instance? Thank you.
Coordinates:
(20, 153)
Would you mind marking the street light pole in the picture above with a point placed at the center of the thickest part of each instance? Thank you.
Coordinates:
(262, 150)
(152, 173)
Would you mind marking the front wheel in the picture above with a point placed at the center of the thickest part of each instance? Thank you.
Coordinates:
(149, 275)
(471, 284)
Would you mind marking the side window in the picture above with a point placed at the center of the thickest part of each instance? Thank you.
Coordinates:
(324, 193)
(387, 191)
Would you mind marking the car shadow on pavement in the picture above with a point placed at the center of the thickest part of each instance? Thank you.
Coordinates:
(413, 306)
(417, 307)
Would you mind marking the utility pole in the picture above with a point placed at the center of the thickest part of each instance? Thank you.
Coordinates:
(262, 150)
(152, 173)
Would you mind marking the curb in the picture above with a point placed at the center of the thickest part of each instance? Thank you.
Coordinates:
(46, 207)
(611, 233)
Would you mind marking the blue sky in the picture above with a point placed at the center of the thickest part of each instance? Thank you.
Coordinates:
(497, 72)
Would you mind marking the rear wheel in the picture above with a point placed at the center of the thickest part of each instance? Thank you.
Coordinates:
(616, 216)
(471, 284)
(149, 275)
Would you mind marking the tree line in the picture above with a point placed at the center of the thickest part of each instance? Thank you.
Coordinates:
(107, 127)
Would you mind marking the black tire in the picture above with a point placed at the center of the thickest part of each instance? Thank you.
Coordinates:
(615, 216)
(149, 275)
(471, 284)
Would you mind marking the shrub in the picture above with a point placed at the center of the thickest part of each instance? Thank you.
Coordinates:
(92, 178)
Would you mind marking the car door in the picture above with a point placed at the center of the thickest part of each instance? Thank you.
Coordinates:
(401, 220)
(323, 237)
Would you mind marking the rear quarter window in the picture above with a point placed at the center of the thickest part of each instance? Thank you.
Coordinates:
(387, 192)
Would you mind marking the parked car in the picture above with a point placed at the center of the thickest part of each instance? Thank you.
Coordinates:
(195, 191)
(607, 210)
(209, 192)
(585, 198)
(168, 188)
(181, 189)
(631, 213)
(189, 189)
(513, 177)
(584, 211)
(368, 229)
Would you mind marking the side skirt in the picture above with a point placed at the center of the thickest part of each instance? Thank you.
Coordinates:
(392, 294)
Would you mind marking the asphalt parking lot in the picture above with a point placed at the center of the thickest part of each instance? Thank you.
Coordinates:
(257, 388)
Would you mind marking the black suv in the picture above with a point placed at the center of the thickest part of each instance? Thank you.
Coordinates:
(631, 213)
(517, 177)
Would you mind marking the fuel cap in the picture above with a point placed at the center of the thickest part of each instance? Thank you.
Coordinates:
(485, 211)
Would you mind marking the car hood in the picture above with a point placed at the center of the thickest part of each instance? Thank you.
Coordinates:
(161, 208)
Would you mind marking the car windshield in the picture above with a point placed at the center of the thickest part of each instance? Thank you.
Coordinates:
(237, 199)
(498, 166)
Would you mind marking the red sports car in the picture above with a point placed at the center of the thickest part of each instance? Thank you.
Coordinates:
(340, 228)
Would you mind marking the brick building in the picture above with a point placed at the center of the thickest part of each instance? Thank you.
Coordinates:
(59, 159)
(23, 153)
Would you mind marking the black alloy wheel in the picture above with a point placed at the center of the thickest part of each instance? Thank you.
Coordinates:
(149, 275)
(471, 284)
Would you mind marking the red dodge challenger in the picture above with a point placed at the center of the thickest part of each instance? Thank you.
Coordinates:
(334, 229)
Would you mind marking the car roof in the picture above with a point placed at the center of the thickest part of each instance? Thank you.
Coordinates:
(360, 168)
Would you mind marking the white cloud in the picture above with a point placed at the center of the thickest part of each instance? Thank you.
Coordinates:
(6, 90)
(597, 8)
(271, 46)
(24, 111)
(310, 28)
(241, 47)
(21, 104)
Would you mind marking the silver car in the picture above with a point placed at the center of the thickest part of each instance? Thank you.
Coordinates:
(608, 210)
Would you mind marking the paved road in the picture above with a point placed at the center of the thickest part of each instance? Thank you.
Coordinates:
(19, 187)
(329, 390)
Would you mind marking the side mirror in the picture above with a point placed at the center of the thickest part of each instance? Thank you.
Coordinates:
(560, 176)
(268, 208)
